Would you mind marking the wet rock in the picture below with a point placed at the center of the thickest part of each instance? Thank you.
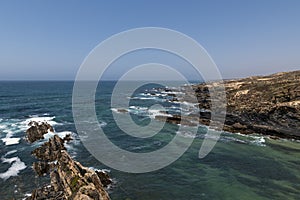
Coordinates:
(68, 138)
(37, 131)
(104, 178)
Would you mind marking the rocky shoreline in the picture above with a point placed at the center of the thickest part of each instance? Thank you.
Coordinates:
(68, 178)
(267, 105)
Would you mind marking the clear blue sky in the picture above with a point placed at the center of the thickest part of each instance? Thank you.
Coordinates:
(48, 40)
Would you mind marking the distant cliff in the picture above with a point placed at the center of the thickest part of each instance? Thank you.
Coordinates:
(268, 105)
(259, 104)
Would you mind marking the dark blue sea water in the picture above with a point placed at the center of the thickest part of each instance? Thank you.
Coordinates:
(239, 167)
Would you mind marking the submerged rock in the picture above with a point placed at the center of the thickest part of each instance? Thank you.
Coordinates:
(68, 138)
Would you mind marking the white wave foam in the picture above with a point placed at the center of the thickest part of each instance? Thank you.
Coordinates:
(250, 139)
(3, 126)
(12, 126)
(8, 160)
(186, 134)
(232, 139)
(137, 108)
(10, 141)
(139, 147)
(153, 113)
(62, 134)
(115, 110)
(26, 195)
(172, 92)
(15, 168)
(144, 111)
(49, 120)
(102, 124)
(190, 104)
(260, 141)
(144, 98)
(8, 132)
(10, 152)
(100, 170)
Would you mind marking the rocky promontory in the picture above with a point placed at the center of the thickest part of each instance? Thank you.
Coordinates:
(268, 105)
(68, 178)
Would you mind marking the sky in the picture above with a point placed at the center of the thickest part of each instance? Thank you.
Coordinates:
(49, 40)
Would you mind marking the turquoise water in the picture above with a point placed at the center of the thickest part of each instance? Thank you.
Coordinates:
(239, 167)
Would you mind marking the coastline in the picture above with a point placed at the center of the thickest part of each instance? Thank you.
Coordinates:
(267, 105)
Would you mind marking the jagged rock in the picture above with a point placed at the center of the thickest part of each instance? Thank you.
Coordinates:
(68, 178)
(104, 178)
(68, 138)
(41, 168)
(76, 181)
(50, 150)
(46, 192)
(37, 131)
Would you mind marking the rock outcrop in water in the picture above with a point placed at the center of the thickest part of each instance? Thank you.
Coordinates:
(69, 179)
(267, 105)
(37, 131)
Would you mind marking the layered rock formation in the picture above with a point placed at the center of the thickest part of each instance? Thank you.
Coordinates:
(69, 179)
(261, 104)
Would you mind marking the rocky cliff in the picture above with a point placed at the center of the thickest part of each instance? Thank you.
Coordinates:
(267, 105)
(69, 179)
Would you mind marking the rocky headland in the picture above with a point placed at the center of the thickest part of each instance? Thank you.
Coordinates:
(268, 105)
(68, 178)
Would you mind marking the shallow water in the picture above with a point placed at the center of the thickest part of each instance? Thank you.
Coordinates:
(239, 167)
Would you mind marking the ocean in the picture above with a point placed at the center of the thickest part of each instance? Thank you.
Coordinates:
(239, 166)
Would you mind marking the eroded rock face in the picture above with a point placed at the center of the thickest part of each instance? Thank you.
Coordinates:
(37, 131)
(69, 179)
(267, 105)
(262, 104)
(76, 181)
